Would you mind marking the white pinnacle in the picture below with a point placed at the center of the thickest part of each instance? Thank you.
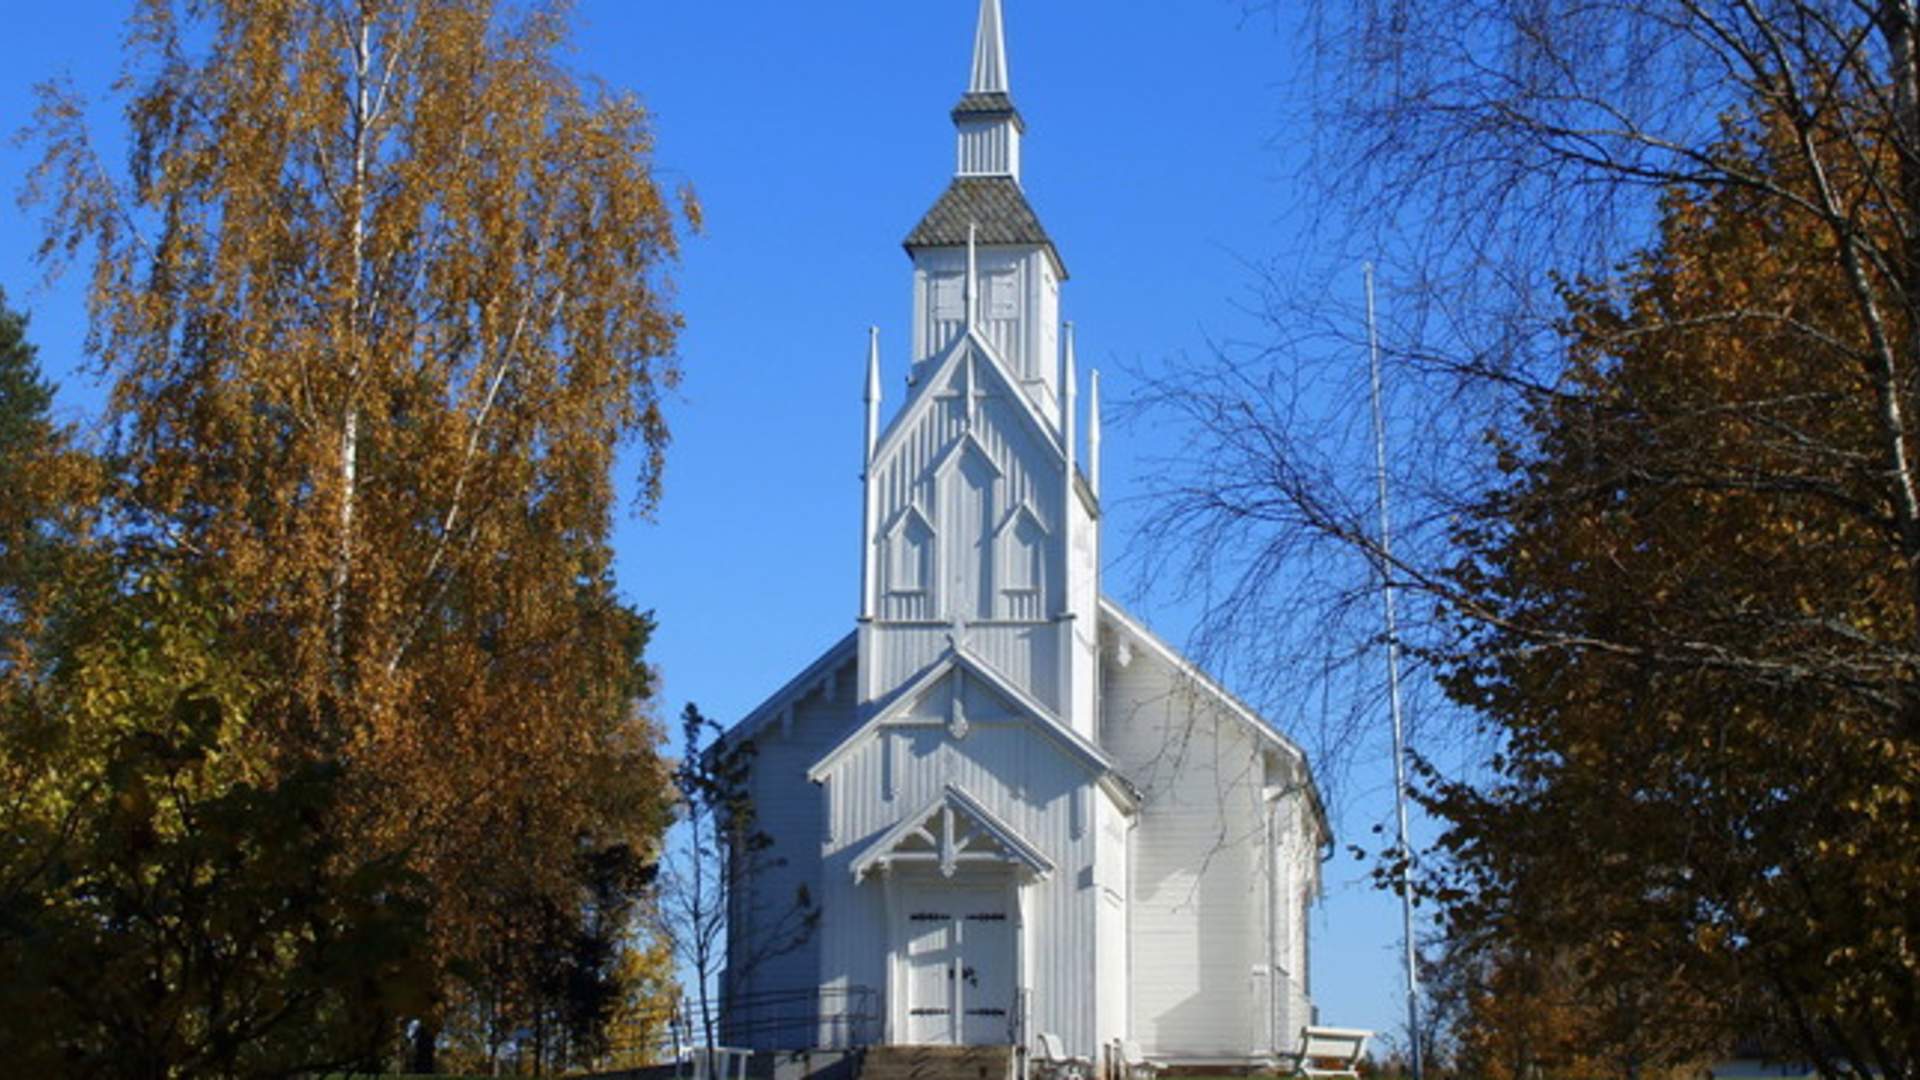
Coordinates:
(1093, 433)
(872, 396)
(989, 52)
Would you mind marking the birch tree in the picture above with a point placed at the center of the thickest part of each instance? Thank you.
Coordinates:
(1482, 153)
(381, 294)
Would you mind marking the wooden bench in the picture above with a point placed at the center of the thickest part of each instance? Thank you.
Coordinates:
(1331, 1051)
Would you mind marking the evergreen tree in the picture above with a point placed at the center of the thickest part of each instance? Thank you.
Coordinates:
(27, 438)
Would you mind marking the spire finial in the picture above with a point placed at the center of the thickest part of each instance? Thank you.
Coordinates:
(989, 52)
(989, 125)
(867, 586)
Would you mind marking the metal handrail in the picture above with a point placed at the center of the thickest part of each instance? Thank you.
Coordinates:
(818, 1016)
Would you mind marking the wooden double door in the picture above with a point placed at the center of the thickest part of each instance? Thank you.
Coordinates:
(958, 963)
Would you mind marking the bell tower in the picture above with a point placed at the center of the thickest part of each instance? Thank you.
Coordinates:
(1011, 281)
(980, 535)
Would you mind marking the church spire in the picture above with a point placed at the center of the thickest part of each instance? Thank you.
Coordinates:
(989, 52)
(983, 265)
(989, 126)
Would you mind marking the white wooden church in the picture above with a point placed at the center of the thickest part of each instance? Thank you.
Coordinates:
(1016, 810)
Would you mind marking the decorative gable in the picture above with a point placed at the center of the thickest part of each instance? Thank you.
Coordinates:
(940, 695)
(951, 829)
(964, 480)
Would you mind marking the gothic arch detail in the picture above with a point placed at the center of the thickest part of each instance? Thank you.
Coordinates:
(1022, 559)
(968, 482)
(908, 556)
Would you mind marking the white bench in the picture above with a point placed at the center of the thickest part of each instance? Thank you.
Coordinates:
(1135, 1065)
(713, 1063)
(1331, 1051)
(1051, 1060)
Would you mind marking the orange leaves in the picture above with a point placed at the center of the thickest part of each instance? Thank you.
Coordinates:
(384, 293)
(1706, 672)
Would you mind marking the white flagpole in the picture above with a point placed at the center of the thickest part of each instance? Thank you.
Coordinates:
(1385, 560)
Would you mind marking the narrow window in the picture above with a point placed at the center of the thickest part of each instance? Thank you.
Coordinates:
(1023, 562)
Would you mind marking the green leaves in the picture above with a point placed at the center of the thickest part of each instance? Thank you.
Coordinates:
(168, 907)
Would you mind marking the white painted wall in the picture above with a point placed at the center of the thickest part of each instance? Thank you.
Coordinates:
(1081, 556)
(1295, 862)
(789, 811)
(1112, 974)
(1182, 925)
(1197, 878)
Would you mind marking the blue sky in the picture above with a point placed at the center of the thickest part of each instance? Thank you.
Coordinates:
(1159, 154)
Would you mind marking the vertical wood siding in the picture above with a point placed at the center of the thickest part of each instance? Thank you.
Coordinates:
(991, 493)
(790, 812)
(1296, 868)
(1018, 312)
(991, 148)
(1083, 602)
(1112, 975)
(1197, 885)
(1026, 780)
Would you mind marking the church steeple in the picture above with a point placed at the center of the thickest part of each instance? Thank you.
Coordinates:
(990, 127)
(976, 514)
(982, 263)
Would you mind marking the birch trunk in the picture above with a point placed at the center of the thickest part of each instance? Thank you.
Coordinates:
(356, 344)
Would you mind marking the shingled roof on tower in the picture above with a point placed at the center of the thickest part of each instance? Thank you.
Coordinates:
(985, 104)
(995, 206)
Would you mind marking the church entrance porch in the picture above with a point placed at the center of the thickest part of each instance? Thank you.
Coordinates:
(954, 877)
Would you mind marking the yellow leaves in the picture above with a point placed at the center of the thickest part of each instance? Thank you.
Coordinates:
(646, 971)
(418, 230)
(1707, 677)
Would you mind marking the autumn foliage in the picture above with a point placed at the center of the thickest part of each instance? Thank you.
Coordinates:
(381, 298)
(1694, 615)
